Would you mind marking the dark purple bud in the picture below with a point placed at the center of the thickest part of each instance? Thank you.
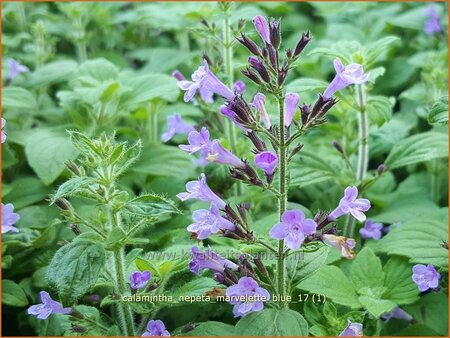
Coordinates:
(305, 112)
(444, 244)
(260, 266)
(381, 169)
(242, 208)
(63, 204)
(188, 328)
(245, 268)
(232, 235)
(306, 37)
(232, 215)
(257, 142)
(281, 76)
(230, 275)
(75, 229)
(72, 167)
(78, 328)
(265, 53)
(204, 22)
(262, 27)
(95, 298)
(275, 34)
(296, 149)
(252, 76)
(77, 314)
(321, 106)
(338, 147)
(273, 56)
(258, 65)
(206, 57)
(218, 277)
(249, 44)
(177, 75)
(288, 53)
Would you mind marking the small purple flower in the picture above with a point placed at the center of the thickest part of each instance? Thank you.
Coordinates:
(15, 69)
(346, 245)
(433, 22)
(205, 94)
(247, 296)
(371, 230)
(209, 222)
(204, 79)
(345, 76)
(199, 190)
(426, 277)
(262, 27)
(239, 87)
(352, 330)
(267, 161)
(290, 106)
(9, 218)
(259, 103)
(139, 279)
(197, 141)
(48, 306)
(176, 125)
(217, 153)
(293, 228)
(156, 328)
(350, 204)
(233, 117)
(3, 132)
(397, 313)
(209, 260)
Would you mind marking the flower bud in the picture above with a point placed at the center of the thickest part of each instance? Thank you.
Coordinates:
(63, 204)
(275, 34)
(249, 44)
(257, 142)
(306, 37)
(72, 167)
(260, 266)
(78, 328)
(252, 76)
(260, 68)
(296, 149)
(381, 169)
(262, 27)
(273, 58)
(75, 229)
(338, 147)
(305, 112)
(290, 106)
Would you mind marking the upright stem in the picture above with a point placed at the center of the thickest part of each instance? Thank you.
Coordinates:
(283, 197)
(363, 150)
(228, 59)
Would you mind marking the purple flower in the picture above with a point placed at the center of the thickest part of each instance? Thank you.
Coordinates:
(217, 153)
(262, 27)
(199, 190)
(433, 22)
(397, 313)
(209, 260)
(259, 103)
(233, 117)
(267, 161)
(204, 79)
(205, 94)
(345, 76)
(387, 229)
(139, 279)
(426, 277)
(197, 141)
(3, 132)
(293, 228)
(209, 222)
(352, 330)
(247, 296)
(176, 125)
(371, 230)
(48, 306)
(346, 245)
(156, 328)
(15, 69)
(239, 87)
(9, 218)
(290, 106)
(350, 204)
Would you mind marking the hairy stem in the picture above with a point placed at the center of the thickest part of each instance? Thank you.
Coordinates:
(363, 150)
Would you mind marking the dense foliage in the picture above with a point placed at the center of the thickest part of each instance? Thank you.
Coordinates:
(314, 144)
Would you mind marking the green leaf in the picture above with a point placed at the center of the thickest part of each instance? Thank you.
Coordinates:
(69, 187)
(150, 205)
(379, 109)
(418, 148)
(26, 191)
(93, 73)
(271, 322)
(46, 152)
(53, 72)
(18, 98)
(75, 268)
(306, 263)
(145, 90)
(306, 84)
(373, 50)
(212, 329)
(319, 330)
(377, 306)
(13, 294)
(418, 239)
(366, 270)
(400, 288)
(196, 287)
(438, 114)
(331, 281)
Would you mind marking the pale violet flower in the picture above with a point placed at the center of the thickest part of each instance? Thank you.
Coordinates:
(207, 222)
(352, 330)
(9, 218)
(267, 161)
(15, 69)
(259, 102)
(397, 313)
(290, 106)
(199, 190)
(425, 276)
(176, 125)
(433, 22)
(156, 328)
(139, 279)
(371, 230)
(48, 306)
(247, 296)
(3, 131)
(262, 27)
(205, 94)
(239, 87)
(351, 204)
(209, 260)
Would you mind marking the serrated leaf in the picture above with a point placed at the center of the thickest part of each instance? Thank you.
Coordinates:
(379, 109)
(438, 114)
(69, 187)
(150, 205)
(400, 288)
(366, 270)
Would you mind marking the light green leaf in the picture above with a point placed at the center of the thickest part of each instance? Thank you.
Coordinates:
(306, 263)
(377, 306)
(26, 191)
(438, 115)
(400, 288)
(271, 322)
(13, 294)
(373, 50)
(148, 87)
(53, 72)
(418, 148)
(211, 329)
(18, 98)
(366, 270)
(69, 187)
(150, 205)
(379, 109)
(196, 287)
(306, 84)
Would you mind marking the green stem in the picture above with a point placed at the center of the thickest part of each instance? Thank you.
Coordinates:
(152, 117)
(363, 150)
(228, 59)
(81, 51)
(435, 186)
(283, 197)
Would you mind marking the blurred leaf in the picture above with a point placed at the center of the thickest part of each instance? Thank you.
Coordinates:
(53, 72)
(305, 84)
(438, 115)
(400, 288)
(26, 191)
(379, 109)
(150, 205)
(212, 329)
(12, 294)
(18, 98)
(366, 270)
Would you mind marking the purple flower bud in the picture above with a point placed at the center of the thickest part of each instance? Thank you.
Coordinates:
(249, 44)
(218, 277)
(177, 75)
(204, 79)
(258, 65)
(275, 34)
(156, 328)
(426, 277)
(267, 161)
(352, 330)
(209, 222)
(262, 27)
(433, 22)
(48, 306)
(15, 69)
(3, 132)
(259, 102)
(293, 228)
(233, 117)
(239, 87)
(199, 190)
(346, 245)
(176, 125)
(209, 260)
(397, 313)
(9, 218)
(138, 279)
(345, 76)
(252, 76)
(290, 106)
(247, 297)
(371, 230)
(350, 204)
(302, 44)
